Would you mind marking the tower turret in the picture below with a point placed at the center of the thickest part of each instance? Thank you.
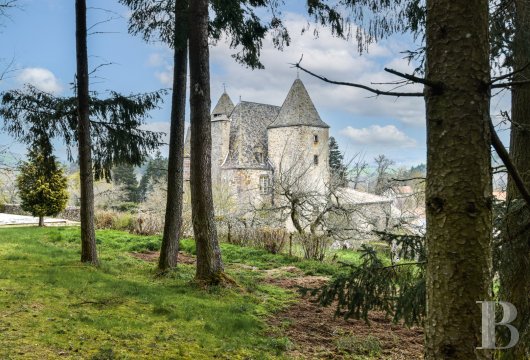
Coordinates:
(220, 134)
(298, 140)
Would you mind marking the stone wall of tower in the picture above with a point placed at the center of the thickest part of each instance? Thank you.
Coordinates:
(220, 143)
(301, 152)
(245, 186)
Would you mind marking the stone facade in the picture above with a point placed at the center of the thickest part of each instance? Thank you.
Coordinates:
(253, 144)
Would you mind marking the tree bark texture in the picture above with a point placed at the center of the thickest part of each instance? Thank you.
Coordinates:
(515, 252)
(88, 234)
(209, 263)
(175, 185)
(459, 186)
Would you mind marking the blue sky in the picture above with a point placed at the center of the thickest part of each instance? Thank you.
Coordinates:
(40, 39)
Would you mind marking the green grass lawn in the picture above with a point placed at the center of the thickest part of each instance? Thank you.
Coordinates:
(51, 306)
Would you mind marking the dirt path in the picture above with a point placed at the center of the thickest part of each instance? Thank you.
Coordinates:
(314, 331)
(317, 334)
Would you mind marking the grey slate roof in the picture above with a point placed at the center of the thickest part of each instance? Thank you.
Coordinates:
(248, 135)
(224, 105)
(298, 109)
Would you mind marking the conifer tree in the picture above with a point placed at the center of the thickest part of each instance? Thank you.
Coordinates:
(42, 183)
(123, 174)
(115, 131)
(88, 233)
(336, 162)
(167, 21)
(514, 270)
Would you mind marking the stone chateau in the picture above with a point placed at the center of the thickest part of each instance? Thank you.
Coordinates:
(254, 145)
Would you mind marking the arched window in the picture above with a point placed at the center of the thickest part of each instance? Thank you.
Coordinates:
(315, 139)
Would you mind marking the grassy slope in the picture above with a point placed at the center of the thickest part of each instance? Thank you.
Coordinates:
(53, 307)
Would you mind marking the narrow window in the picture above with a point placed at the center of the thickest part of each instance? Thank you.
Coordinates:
(264, 186)
(315, 159)
(315, 139)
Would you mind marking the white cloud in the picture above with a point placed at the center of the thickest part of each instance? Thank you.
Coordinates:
(165, 77)
(375, 135)
(41, 78)
(156, 59)
(326, 55)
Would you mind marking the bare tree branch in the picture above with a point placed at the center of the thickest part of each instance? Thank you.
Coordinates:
(509, 84)
(433, 84)
(512, 170)
(360, 86)
(511, 74)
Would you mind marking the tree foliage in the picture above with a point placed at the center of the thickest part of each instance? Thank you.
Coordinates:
(237, 19)
(124, 175)
(396, 288)
(336, 162)
(369, 21)
(155, 173)
(117, 136)
(42, 183)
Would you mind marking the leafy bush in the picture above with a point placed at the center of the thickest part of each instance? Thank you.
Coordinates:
(129, 207)
(113, 220)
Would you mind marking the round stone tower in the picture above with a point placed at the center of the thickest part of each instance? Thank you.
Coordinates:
(298, 142)
(220, 134)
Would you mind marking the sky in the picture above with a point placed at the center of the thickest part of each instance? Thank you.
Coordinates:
(39, 39)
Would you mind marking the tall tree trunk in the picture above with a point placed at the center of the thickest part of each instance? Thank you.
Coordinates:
(515, 252)
(41, 221)
(88, 234)
(459, 187)
(173, 220)
(209, 263)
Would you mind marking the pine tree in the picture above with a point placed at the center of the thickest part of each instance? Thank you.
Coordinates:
(514, 272)
(167, 21)
(459, 178)
(88, 233)
(210, 269)
(115, 136)
(336, 162)
(156, 172)
(42, 183)
(123, 174)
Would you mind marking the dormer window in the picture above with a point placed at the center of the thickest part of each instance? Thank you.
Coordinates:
(315, 159)
(315, 139)
(217, 115)
(259, 157)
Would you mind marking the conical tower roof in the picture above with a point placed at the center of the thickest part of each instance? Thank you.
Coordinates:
(298, 109)
(224, 105)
